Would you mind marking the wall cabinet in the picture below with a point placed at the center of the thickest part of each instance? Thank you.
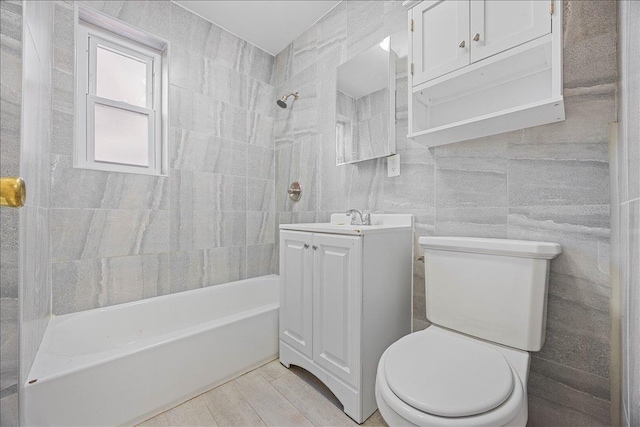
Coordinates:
(345, 296)
(482, 67)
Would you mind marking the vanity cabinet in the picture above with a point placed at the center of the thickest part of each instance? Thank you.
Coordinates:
(483, 67)
(345, 296)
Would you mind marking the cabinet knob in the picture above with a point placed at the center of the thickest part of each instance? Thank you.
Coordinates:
(462, 44)
(315, 247)
(476, 37)
(306, 246)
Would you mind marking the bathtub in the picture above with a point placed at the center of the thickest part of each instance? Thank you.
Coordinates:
(122, 364)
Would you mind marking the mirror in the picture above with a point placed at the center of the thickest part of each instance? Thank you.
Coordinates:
(365, 104)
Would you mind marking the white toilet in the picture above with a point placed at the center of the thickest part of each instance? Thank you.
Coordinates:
(487, 300)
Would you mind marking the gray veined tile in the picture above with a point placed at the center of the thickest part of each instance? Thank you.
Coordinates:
(260, 196)
(62, 136)
(305, 51)
(227, 85)
(545, 413)
(9, 339)
(232, 193)
(360, 14)
(283, 65)
(261, 228)
(262, 97)
(472, 222)
(9, 410)
(260, 162)
(297, 162)
(151, 16)
(582, 231)
(87, 284)
(207, 267)
(261, 260)
(97, 233)
(229, 121)
(192, 111)
(63, 31)
(258, 64)
(413, 189)
(188, 30)
(260, 130)
(332, 29)
(194, 190)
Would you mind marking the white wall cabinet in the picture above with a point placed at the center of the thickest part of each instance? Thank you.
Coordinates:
(345, 296)
(482, 67)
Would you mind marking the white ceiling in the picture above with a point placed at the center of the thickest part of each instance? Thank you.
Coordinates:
(270, 25)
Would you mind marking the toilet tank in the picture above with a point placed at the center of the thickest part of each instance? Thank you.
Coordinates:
(494, 289)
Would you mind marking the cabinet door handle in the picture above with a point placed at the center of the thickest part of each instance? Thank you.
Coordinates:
(462, 44)
(315, 247)
(476, 37)
(306, 246)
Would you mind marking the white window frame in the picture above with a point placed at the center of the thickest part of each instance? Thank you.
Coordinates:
(88, 38)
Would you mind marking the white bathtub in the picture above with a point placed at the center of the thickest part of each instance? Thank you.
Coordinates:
(123, 364)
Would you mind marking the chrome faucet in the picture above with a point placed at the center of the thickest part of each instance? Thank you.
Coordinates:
(365, 219)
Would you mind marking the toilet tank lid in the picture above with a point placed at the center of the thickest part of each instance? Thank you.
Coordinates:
(507, 247)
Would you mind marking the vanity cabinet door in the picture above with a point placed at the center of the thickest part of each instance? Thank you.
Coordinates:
(499, 25)
(440, 38)
(296, 281)
(337, 305)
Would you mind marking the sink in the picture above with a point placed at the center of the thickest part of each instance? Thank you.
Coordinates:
(341, 224)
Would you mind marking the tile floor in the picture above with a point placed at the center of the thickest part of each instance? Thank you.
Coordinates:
(269, 395)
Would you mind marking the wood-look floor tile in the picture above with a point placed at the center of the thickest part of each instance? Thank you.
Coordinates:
(311, 403)
(272, 406)
(273, 370)
(229, 407)
(191, 414)
(157, 421)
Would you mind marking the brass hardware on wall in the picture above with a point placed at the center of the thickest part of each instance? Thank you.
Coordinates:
(295, 191)
(13, 192)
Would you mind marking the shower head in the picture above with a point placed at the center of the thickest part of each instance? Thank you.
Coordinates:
(282, 102)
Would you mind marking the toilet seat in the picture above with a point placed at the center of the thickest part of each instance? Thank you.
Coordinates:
(463, 378)
(420, 405)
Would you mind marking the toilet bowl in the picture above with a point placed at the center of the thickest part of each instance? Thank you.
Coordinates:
(486, 300)
(438, 377)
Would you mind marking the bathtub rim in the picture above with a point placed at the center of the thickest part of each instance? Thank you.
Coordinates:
(142, 345)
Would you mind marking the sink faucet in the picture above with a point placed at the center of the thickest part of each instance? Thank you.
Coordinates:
(365, 219)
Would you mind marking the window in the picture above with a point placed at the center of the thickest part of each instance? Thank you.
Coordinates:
(119, 103)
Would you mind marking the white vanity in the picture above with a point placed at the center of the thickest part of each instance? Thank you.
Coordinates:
(345, 296)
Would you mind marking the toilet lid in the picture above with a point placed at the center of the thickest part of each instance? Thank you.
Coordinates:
(448, 375)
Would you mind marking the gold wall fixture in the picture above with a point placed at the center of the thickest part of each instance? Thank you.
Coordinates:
(13, 192)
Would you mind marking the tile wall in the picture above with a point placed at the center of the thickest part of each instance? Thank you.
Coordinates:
(628, 194)
(544, 183)
(123, 237)
(10, 100)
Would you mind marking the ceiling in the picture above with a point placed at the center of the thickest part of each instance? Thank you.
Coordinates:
(270, 25)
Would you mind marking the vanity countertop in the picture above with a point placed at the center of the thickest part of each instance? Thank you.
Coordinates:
(341, 224)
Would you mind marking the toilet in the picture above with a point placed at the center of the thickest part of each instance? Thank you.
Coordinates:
(487, 302)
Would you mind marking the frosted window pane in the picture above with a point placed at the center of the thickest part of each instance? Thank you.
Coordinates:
(121, 136)
(121, 78)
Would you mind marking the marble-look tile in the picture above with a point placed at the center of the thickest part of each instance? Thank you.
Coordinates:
(297, 162)
(229, 121)
(283, 65)
(9, 253)
(472, 222)
(88, 284)
(305, 49)
(63, 29)
(577, 336)
(8, 343)
(261, 260)
(197, 151)
(204, 229)
(580, 290)
(272, 406)
(151, 16)
(191, 413)
(468, 182)
(230, 408)
(360, 14)
(262, 97)
(582, 231)
(260, 130)
(195, 190)
(545, 413)
(260, 195)
(9, 410)
(332, 29)
(62, 136)
(585, 382)
(260, 162)
(261, 228)
(191, 111)
(589, 32)
(413, 189)
(104, 190)
(98, 233)
(258, 64)
(208, 267)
